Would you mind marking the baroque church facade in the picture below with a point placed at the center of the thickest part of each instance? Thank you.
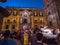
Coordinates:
(21, 16)
(52, 10)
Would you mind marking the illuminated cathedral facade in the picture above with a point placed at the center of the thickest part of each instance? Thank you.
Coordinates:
(21, 16)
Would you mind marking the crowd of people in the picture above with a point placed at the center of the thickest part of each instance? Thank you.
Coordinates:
(27, 36)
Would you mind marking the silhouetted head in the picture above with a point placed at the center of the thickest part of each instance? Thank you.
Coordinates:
(39, 36)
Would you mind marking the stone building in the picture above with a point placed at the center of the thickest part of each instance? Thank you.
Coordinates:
(3, 13)
(21, 16)
(52, 9)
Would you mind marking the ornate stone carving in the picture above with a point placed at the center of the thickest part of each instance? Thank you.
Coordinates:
(25, 15)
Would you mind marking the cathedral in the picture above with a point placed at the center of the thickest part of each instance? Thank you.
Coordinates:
(21, 16)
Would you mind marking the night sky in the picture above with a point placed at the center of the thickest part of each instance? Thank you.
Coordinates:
(23, 3)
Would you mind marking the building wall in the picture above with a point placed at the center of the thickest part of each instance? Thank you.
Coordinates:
(51, 12)
(57, 2)
(36, 16)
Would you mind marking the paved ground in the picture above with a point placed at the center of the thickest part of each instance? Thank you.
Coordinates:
(7, 42)
(17, 42)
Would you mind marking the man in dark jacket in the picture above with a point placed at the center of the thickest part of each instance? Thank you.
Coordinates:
(39, 37)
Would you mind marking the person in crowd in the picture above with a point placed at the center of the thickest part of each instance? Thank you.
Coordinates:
(6, 33)
(25, 26)
(58, 34)
(26, 38)
(12, 33)
(58, 31)
(41, 26)
(39, 37)
(35, 29)
(1, 36)
(30, 32)
(54, 31)
(19, 34)
(22, 36)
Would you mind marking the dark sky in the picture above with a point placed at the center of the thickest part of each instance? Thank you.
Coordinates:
(23, 3)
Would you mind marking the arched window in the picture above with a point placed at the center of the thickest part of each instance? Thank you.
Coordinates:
(24, 21)
(41, 22)
(14, 13)
(14, 21)
(49, 13)
(40, 14)
(35, 13)
(13, 26)
(7, 26)
(8, 21)
(50, 23)
(10, 12)
(35, 21)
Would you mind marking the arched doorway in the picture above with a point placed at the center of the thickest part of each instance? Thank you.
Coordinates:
(24, 21)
